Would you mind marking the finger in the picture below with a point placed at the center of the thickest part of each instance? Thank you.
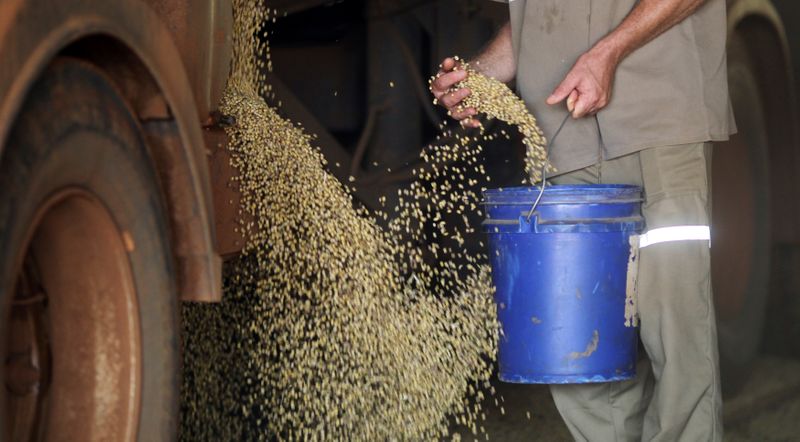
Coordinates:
(454, 98)
(601, 104)
(460, 114)
(573, 96)
(594, 110)
(583, 105)
(447, 80)
(562, 91)
(448, 64)
(470, 122)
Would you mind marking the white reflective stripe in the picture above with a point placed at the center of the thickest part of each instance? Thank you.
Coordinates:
(675, 233)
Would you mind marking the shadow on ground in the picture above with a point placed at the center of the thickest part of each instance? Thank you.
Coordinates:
(767, 409)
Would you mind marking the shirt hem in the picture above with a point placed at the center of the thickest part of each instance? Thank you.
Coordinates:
(612, 152)
(625, 149)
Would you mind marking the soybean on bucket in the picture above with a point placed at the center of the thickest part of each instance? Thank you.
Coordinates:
(565, 281)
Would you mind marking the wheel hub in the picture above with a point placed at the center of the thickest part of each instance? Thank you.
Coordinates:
(27, 361)
(72, 352)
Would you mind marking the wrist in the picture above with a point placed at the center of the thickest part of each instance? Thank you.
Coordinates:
(610, 48)
(498, 69)
(496, 60)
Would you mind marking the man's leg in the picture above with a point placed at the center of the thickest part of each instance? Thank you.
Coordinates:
(676, 310)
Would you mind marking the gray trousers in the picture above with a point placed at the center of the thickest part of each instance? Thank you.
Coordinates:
(676, 393)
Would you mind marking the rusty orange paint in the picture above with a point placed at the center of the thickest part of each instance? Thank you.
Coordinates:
(33, 32)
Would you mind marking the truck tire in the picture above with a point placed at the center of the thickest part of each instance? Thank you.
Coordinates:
(89, 329)
(741, 238)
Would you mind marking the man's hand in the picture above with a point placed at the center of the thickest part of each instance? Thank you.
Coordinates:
(587, 86)
(442, 88)
(496, 60)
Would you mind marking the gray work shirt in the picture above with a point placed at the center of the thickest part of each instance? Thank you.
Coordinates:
(673, 90)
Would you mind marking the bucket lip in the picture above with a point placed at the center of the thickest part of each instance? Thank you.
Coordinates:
(564, 188)
(565, 192)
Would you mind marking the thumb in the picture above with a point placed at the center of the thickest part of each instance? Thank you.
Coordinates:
(562, 91)
(573, 97)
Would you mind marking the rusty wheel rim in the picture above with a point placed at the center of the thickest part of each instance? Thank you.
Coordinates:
(735, 211)
(733, 224)
(73, 356)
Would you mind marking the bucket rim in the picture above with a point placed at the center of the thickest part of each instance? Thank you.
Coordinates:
(562, 188)
(564, 193)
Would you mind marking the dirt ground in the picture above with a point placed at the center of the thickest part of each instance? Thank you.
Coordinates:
(767, 409)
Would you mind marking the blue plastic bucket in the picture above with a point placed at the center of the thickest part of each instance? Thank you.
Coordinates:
(562, 281)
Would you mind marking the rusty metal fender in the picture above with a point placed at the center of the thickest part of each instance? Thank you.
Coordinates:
(761, 26)
(738, 10)
(32, 32)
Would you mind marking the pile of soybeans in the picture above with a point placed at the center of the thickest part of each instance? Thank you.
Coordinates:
(331, 326)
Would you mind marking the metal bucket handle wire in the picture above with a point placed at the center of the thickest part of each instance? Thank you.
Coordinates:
(544, 167)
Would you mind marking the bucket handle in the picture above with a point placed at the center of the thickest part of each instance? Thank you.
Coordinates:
(544, 167)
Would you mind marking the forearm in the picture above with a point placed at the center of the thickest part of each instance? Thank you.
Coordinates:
(587, 86)
(497, 58)
(647, 20)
